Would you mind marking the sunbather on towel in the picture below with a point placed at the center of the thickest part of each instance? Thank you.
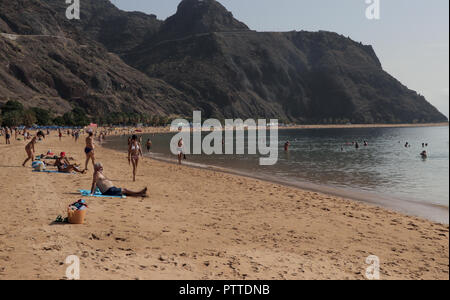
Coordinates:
(64, 166)
(107, 187)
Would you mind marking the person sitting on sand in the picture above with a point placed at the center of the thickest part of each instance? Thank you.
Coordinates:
(64, 166)
(107, 188)
(89, 149)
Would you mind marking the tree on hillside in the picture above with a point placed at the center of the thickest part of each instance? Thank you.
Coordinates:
(12, 118)
(59, 121)
(12, 106)
(43, 116)
(79, 117)
(29, 118)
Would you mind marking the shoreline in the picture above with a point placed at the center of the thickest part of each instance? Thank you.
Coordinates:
(427, 211)
(200, 224)
(414, 208)
(158, 130)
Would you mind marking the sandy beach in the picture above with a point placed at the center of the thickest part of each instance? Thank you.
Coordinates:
(200, 224)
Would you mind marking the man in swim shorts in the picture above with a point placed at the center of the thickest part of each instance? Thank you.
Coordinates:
(89, 149)
(107, 188)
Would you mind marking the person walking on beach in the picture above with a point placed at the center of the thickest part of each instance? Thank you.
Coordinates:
(60, 134)
(180, 150)
(8, 133)
(134, 152)
(29, 148)
(89, 149)
(149, 145)
(107, 188)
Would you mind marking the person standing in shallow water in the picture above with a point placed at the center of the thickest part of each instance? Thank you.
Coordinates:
(286, 146)
(149, 145)
(180, 150)
(89, 150)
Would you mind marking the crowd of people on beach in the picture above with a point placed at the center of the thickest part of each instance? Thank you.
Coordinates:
(135, 154)
(63, 163)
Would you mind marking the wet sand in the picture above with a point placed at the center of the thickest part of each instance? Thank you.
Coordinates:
(200, 224)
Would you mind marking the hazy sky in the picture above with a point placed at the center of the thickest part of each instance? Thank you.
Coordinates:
(411, 38)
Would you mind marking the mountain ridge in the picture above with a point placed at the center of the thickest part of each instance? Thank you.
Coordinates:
(200, 58)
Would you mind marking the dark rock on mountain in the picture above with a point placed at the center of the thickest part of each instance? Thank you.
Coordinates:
(300, 76)
(199, 16)
(56, 72)
(49, 61)
(200, 58)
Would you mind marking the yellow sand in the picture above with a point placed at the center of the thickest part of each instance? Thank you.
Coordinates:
(200, 224)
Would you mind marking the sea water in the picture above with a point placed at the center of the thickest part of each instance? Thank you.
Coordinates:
(385, 172)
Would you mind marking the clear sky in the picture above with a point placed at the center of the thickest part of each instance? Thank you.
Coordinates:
(411, 38)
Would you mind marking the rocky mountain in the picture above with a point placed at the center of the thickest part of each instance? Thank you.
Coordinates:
(48, 61)
(200, 58)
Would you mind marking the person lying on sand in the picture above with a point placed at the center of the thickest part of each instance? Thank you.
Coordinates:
(64, 166)
(107, 188)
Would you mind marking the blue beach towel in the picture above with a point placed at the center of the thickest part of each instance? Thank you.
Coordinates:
(87, 193)
(51, 171)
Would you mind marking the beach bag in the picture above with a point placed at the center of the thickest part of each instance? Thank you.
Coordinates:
(76, 216)
(38, 166)
(77, 212)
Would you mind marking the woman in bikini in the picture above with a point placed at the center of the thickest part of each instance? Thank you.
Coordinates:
(89, 150)
(134, 152)
(29, 148)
